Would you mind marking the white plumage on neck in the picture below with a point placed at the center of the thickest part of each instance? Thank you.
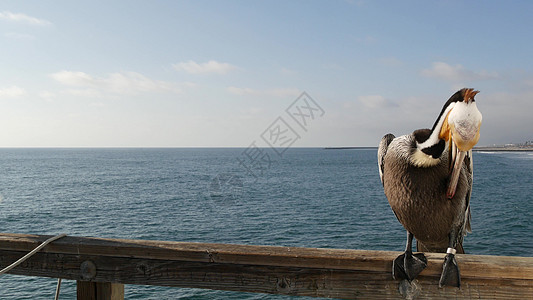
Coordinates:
(421, 159)
(434, 137)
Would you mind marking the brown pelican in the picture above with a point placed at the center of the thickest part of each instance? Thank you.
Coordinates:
(427, 178)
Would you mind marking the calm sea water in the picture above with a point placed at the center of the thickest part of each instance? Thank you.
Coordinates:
(308, 197)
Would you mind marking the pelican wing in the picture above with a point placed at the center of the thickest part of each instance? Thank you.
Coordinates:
(382, 150)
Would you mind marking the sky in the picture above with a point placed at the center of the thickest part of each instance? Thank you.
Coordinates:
(227, 73)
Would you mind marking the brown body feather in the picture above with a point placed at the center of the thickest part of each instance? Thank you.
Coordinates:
(417, 195)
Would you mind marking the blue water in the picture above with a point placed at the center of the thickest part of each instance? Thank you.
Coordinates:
(309, 197)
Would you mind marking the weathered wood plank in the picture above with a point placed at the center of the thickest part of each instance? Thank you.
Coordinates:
(492, 266)
(350, 274)
(264, 279)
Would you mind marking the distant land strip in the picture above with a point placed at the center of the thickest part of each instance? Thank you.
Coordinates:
(481, 148)
(344, 148)
(503, 148)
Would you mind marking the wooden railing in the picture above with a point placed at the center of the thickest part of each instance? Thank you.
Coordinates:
(101, 267)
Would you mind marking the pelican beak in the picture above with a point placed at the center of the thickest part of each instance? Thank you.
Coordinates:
(461, 129)
(456, 164)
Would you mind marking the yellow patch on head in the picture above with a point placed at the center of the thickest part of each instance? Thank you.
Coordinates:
(444, 133)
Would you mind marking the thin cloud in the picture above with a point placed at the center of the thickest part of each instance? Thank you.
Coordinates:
(444, 71)
(211, 66)
(375, 101)
(241, 91)
(126, 83)
(89, 93)
(79, 79)
(278, 92)
(12, 92)
(23, 18)
(121, 82)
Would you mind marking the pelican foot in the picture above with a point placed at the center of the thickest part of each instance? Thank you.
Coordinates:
(408, 265)
(450, 272)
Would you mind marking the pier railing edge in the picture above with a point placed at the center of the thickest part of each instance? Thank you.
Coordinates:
(335, 273)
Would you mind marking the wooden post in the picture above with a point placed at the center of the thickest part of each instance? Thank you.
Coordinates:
(101, 264)
(87, 290)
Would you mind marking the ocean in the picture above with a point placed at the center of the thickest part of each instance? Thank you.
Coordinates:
(305, 197)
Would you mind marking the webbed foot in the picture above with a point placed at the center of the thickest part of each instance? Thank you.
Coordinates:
(408, 265)
(450, 272)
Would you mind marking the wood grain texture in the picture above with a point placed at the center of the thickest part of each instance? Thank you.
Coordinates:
(86, 290)
(334, 273)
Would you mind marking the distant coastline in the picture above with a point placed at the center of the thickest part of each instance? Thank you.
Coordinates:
(346, 148)
(480, 148)
(503, 148)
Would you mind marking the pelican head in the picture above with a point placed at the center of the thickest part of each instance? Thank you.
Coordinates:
(462, 122)
(457, 127)
(461, 130)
